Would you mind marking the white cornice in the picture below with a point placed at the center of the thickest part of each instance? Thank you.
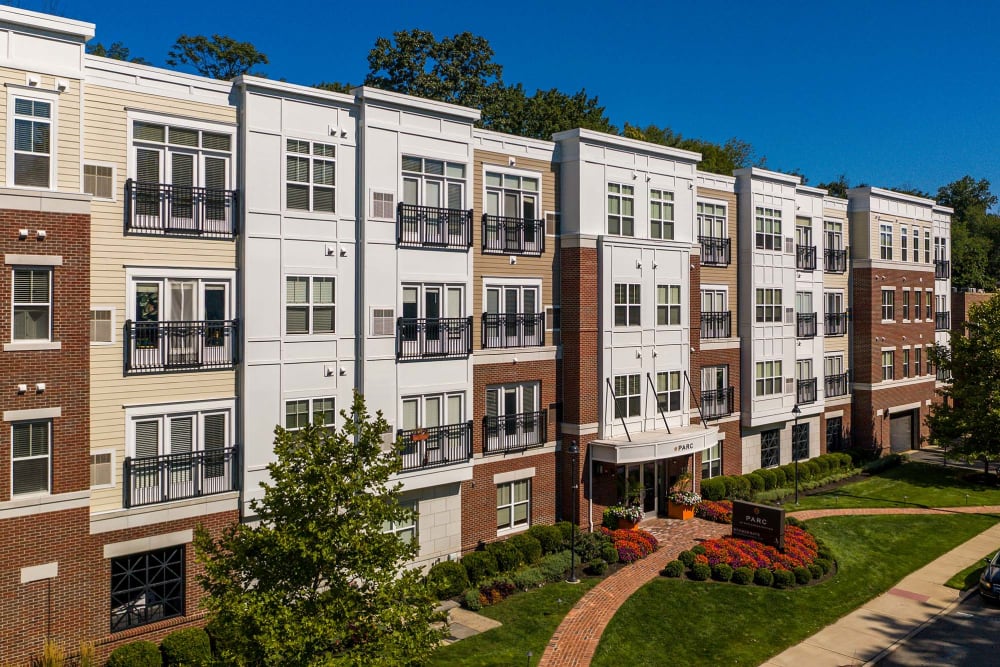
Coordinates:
(368, 94)
(22, 17)
(590, 136)
(286, 88)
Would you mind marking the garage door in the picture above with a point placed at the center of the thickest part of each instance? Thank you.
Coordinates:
(901, 431)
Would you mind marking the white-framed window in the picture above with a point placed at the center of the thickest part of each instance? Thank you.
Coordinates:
(31, 461)
(803, 231)
(179, 298)
(918, 304)
(433, 301)
(906, 304)
(804, 303)
(833, 365)
(621, 209)
(512, 399)
(927, 246)
(888, 304)
(383, 205)
(513, 504)
(102, 324)
(405, 530)
(804, 369)
(906, 362)
(668, 305)
(941, 302)
(940, 248)
(310, 305)
(768, 305)
(929, 301)
(767, 378)
(888, 364)
(711, 461)
(431, 410)
(903, 243)
(628, 305)
(102, 469)
(668, 391)
(885, 241)
(628, 399)
(512, 299)
(916, 244)
(917, 354)
(99, 180)
(435, 183)
(512, 416)
(32, 140)
(180, 430)
(661, 214)
(834, 234)
(180, 154)
(384, 321)
(512, 196)
(714, 300)
(310, 176)
(32, 304)
(712, 219)
(321, 411)
(834, 303)
(768, 228)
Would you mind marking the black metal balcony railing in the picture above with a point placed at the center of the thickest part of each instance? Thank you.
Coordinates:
(436, 446)
(433, 227)
(175, 210)
(513, 330)
(942, 269)
(805, 257)
(805, 391)
(836, 324)
(161, 479)
(836, 385)
(805, 325)
(717, 403)
(715, 251)
(834, 261)
(716, 324)
(161, 347)
(513, 236)
(514, 433)
(423, 337)
(942, 321)
(943, 374)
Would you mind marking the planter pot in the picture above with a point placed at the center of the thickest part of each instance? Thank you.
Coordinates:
(625, 524)
(683, 512)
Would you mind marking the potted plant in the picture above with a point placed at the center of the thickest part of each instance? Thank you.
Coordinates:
(623, 516)
(682, 499)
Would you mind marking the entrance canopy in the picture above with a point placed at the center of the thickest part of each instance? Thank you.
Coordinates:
(652, 445)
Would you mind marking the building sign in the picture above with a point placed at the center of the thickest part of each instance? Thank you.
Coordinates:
(684, 448)
(762, 523)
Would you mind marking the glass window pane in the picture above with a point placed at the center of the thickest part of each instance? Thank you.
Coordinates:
(493, 180)
(323, 290)
(456, 170)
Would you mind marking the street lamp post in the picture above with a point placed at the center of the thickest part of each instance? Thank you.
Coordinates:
(795, 450)
(574, 452)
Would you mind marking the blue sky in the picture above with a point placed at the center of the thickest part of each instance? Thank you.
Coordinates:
(888, 92)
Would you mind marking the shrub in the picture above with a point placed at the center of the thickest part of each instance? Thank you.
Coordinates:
(529, 577)
(824, 551)
(792, 521)
(805, 473)
(802, 575)
(686, 557)
(779, 477)
(497, 590)
(136, 654)
(713, 489)
(674, 569)
(698, 550)
(824, 564)
(186, 648)
(737, 487)
(815, 571)
(479, 565)
(756, 482)
(447, 579)
(549, 537)
(554, 566)
(596, 567)
(770, 479)
(471, 600)
(590, 545)
(530, 548)
(742, 576)
(823, 464)
(789, 470)
(814, 469)
(883, 464)
(609, 553)
(722, 572)
(763, 577)
(566, 529)
(783, 579)
(507, 555)
(700, 571)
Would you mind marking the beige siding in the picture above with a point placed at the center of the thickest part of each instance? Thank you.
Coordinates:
(717, 275)
(838, 282)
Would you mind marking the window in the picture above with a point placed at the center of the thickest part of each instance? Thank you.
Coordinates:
(32, 304)
(917, 353)
(834, 231)
(383, 322)
(906, 362)
(99, 181)
(903, 244)
(405, 530)
(804, 369)
(768, 226)
(768, 308)
(513, 504)
(888, 304)
(930, 306)
(102, 466)
(147, 587)
(888, 364)
(30, 467)
(383, 205)
(916, 245)
(512, 300)
(927, 246)
(770, 448)
(33, 143)
(885, 241)
(102, 325)
(712, 220)
(183, 157)
(176, 433)
(512, 196)
(668, 305)
(310, 175)
(433, 183)
(621, 209)
(432, 410)
(833, 365)
(906, 304)
(711, 461)
(309, 305)
(804, 303)
(768, 379)
(834, 304)
(319, 411)
(800, 441)
(627, 305)
(803, 231)
(627, 399)
(661, 214)
(918, 299)
(834, 433)
(668, 391)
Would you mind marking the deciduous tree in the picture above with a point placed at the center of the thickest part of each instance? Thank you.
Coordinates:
(218, 57)
(116, 51)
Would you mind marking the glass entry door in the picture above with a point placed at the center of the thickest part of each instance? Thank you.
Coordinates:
(645, 483)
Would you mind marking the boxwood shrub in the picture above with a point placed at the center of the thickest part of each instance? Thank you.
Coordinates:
(189, 647)
(548, 536)
(698, 550)
(530, 548)
(783, 579)
(447, 579)
(722, 572)
(763, 577)
(742, 576)
(507, 555)
(802, 575)
(479, 565)
(816, 571)
(713, 488)
(136, 654)
(686, 557)
(738, 487)
(700, 571)
(674, 568)
(596, 567)
(770, 479)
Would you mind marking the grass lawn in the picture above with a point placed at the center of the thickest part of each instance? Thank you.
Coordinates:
(675, 621)
(529, 619)
(969, 577)
(911, 484)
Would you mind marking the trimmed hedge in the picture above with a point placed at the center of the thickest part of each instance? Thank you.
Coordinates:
(783, 579)
(530, 548)
(189, 647)
(686, 557)
(479, 565)
(700, 571)
(803, 575)
(713, 488)
(722, 572)
(549, 537)
(673, 569)
(742, 576)
(447, 579)
(507, 555)
(596, 567)
(136, 654)
(770, 479)
(763, 577)
(771, 483)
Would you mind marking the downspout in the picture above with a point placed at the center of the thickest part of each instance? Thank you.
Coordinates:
(590, 489)
(360, 201)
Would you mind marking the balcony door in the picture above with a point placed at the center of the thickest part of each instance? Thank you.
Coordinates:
(834, 235)
(511, 315)
(183, 320)
(803, 233)
(516, 198)
(183, 205)
(511, 419)
(714, 388)
(179, 455)
(424, 417)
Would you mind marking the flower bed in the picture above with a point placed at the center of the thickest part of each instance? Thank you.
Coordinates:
(720, 511)
(800, 551)
(633, 544)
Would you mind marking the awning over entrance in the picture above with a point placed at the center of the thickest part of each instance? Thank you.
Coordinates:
(652, 445)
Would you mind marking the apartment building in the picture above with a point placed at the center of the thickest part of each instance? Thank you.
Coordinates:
(941, 231)
(835, 420)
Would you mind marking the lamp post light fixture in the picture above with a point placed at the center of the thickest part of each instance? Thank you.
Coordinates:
(574, 452)
(795, 450)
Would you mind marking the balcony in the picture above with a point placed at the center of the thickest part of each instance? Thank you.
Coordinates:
(717, 403)
(161, 479)
(716, 324)
(436, 446)
(805, 391)
(805, 325)
(513, 236)
(161, 209)
(805, 257)
(164, 347)
(714, 251)
(514, 433)
(433, 338)
(836, 385)
(942, 269)
(429, 227)
(502, 330)
(943, 374)
(942, 321)
(834, 261)
(836, 324)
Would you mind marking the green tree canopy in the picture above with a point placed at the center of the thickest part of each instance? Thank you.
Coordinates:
(218, 57)
(715, 158)
(116, 51)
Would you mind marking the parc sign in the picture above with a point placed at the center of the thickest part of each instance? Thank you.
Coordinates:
(762, 523)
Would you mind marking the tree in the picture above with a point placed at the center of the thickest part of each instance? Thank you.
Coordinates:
(317, 581)
(838, 187)
(966, 195)
(220, 57)
(715, 158)
(334, 86)
(117, 51)
(967, 420)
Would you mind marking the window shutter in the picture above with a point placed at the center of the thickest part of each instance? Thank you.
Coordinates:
(215, 431)
(215, 173)
(147, 439)
(182, 136)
